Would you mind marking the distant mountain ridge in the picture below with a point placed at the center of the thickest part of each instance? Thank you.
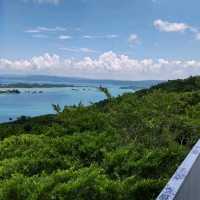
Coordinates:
(75, 81)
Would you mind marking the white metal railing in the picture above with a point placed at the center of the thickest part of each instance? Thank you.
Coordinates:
(185, 183)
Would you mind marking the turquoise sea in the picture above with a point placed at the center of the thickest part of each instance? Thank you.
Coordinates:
(29, 104)
(32, 103)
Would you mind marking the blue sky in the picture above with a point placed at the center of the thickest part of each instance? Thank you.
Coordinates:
(129, 39)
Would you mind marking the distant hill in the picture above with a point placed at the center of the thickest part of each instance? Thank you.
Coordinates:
(76, 81)
(181, 85)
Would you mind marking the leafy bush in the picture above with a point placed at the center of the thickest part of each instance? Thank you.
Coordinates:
(122, 148)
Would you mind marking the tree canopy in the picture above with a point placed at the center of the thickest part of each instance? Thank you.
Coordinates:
(123, 148)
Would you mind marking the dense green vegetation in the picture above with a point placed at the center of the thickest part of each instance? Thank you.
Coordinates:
(182, 85)
(121, 148)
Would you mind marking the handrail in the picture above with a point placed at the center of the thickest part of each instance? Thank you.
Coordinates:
(184, 184)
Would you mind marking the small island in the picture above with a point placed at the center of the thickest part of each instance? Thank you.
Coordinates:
(14, 91)
(14, 88)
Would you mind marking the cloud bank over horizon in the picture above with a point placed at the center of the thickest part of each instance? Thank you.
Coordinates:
(108, 65)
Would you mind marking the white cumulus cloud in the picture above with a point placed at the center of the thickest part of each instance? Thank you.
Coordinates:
(133, 39)
(109, 36)
(165, 26)
(40, 29)
(55, 2)
(170, 26)
(65, 37)
(108, 65)
(79, 50)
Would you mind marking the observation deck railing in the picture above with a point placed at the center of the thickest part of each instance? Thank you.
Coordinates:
(185, 183)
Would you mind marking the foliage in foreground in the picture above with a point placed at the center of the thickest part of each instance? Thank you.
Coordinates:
(122, 148)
